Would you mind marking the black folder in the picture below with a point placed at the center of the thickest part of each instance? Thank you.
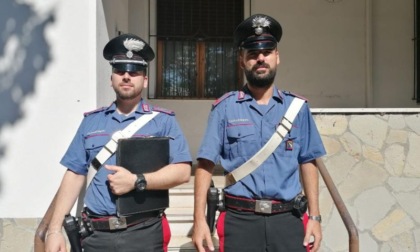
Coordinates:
(142, 155)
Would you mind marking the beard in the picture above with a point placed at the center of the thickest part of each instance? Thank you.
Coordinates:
(257, 80)
(126, 94)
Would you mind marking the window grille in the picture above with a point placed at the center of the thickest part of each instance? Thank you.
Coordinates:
(196, 57)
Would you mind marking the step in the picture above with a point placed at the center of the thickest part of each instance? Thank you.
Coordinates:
(182, 243)
(181, 224)
(182, 196)
(180, 214)
(180, 211)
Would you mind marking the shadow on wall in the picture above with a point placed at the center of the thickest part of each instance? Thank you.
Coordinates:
(24, 53)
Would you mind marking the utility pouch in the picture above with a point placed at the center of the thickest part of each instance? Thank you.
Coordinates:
(85, 228)
(300, 205)
(77, 230)
(72, 227)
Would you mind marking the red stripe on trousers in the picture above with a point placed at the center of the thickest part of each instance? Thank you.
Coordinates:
(305, 220)
(166, 233)
(221, 231)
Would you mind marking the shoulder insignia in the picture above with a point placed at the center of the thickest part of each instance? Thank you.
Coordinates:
(163, 110)
(296, 95)
(241, 95)
(146, 107)
(94, 111)
(223, 97)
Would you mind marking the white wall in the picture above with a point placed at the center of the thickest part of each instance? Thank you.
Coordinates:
(112, 18)
(29, 168)
(322, 51)
(346, 54)
(393, 56)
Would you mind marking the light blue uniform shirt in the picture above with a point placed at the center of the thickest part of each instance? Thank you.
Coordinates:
(96, 130)
(238, 128)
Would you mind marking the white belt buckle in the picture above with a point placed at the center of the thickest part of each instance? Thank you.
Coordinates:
(116, 223)
(263, 206)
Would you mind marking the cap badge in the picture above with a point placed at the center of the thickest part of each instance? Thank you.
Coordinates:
(133, 45)
(259, 23)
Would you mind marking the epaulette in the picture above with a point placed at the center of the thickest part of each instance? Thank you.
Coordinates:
(223, 97)
(94, 111)
(296, 95)
(163, 110)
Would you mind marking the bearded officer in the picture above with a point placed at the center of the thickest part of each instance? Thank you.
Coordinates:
(264, 209)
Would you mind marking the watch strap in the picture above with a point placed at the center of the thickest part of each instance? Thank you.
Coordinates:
(315, 218)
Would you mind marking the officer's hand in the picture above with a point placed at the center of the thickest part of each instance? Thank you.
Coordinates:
(313, 229)
(55, 242)
(121, 181)
(201, 233)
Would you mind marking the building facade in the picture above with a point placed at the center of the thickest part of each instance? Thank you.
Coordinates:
(353, 60)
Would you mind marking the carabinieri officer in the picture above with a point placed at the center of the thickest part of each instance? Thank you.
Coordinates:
(129, 57)
(239, 125)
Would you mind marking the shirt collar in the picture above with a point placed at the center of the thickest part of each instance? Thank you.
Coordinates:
(142, 108)
(111, 108)
(277, 95)
(245, 94)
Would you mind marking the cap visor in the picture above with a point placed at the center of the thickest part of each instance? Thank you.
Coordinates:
(129, 67)
(257, 45)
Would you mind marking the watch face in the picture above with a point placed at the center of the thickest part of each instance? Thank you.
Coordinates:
(141, 186)
(140, 183)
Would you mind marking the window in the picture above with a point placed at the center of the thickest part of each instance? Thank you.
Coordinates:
(196, 58)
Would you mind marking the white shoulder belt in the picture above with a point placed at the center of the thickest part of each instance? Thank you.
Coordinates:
(110, 148)
(127, 132)
(285, 126)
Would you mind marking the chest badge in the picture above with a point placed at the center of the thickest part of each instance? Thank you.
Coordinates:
(289, 145)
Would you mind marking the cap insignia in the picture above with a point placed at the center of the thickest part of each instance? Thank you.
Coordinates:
(259, 23)
(133, 45)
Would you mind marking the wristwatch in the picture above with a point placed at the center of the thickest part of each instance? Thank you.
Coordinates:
(140, 183)
(316, 218)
